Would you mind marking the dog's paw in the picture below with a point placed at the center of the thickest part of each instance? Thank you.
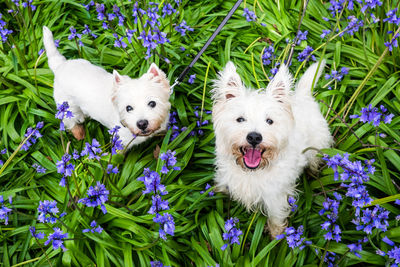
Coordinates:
(275, 229)
(78, 131)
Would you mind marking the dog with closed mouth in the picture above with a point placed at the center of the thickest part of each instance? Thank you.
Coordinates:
(140, 107)
(262, 137)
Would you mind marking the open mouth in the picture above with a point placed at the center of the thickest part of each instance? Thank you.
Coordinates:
(144, 133)
(251, 157)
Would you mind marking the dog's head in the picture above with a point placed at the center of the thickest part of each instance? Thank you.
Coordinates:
(143, 104)
(252, 126)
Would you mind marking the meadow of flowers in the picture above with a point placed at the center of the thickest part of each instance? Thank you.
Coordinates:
(83, 203)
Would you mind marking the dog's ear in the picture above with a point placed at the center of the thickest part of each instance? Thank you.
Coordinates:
(117, 78)
(228, 85)
(158, 75)
(279, 87)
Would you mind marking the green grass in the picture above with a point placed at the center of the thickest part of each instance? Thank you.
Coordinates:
(130, 237)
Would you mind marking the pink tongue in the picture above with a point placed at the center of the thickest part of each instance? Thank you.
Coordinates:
(252, 157)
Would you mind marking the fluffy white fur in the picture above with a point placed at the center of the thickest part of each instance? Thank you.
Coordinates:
(297, 125)
(92, 92)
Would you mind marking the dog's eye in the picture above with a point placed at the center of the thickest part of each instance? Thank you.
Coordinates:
(129, 108)
(269, 121)
(152, 104)
(240, 119)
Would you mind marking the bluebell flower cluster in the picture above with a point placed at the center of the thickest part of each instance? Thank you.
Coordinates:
(65, 168)
(294, 237)
(4, 32)
(331, 210)
(152, 182)
(372, 219)
(39, 169)
(63, 112)
(32, 134)
(4, 210)
(87, 7)
(24, 4)
(39, 235)
(306, 54)
(325, 33)
(330, 258)
(292, 203)
(173, 124)
(208, 186)
(392, 18)
(249, 15)
(116, 143)
(199, 122)
(354, 25)
(57, 239)
(75, 35)
(182, 28)
(393, 253)
(337, 75)
(92, 150)
(112, 169)
(374, 116)
(97, 196)
(48, 212)
(2, 152)
(268, 55)
(357, 247)
(170, 161)
(87, 31)
(167, 224)
(94, 228)
(393, 41)
(301, 36)
(192, 78)
(232, 233)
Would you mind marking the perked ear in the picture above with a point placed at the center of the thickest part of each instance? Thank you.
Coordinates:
(155, 70)
(279, 87)
(117, 78)
(228, 85)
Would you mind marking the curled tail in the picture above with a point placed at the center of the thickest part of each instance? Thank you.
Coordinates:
(307, 81)
(54, 57)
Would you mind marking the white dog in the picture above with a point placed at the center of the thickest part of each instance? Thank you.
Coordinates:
(139, 106)
(261, 137)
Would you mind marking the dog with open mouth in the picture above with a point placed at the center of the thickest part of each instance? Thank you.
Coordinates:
(140, 107)
(262, 137)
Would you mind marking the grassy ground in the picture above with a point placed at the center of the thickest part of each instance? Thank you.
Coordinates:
(130, 237)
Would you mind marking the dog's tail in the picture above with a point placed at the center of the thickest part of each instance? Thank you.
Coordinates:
(309, 78)
(54, 57)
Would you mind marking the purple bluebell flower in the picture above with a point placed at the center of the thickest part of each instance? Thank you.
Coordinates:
(208, 186)
(167, 10)
(301, 36)
(75, 154)
(87, 7)
(3, 30)
(156, 264)
(97, 196)
(388, 241)
(158, 204)
(152, 181)
(268, 55)
(394, 254)
(63, 112)
(101, 15)
(57, 239)
(33, 135)
(372, 219)
(167, 224)
(48, 212)
(170, 161)
(119, 41)
(392, 17)
(353, 26)
(294, 237)
(357, 247)
(325, 33)
(337, 75)
(2, 152)
(4, 211)
(116, 142)
(337, 6)
(41, 51)
(306, 54)
(39, 169)
(393, 41)
(232, 233)
(129, 35)
(65, 168)
(92, 150)
(39, 235)
(93, 228)
(183, 27)
(112, 169)
(88, 31)
(75, 35)
(371, 4)
(374, 116)
(192, 78)
(249, 15)
(292, 203)
(330, 258)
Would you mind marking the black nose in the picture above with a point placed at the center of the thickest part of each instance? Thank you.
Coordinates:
(142, 124)
(254, 138)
